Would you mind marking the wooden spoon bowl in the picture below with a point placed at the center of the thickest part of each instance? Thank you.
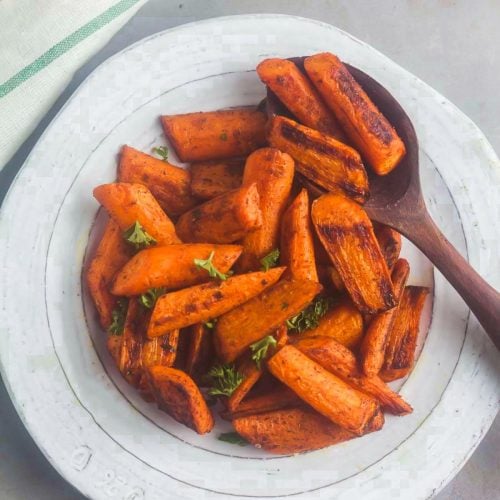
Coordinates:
(396, 200)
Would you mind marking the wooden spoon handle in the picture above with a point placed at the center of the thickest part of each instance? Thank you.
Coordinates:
(483, 300)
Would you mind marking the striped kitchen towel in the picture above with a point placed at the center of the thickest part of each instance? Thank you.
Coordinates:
(42, 44)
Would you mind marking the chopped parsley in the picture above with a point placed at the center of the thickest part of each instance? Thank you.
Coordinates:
(208, 265)
(259, 349)
(310, 316)
(233, 438)
(118, 316)
(270, 260)
(148, 299)
(161, 151)
(225, 379)
(136, 236)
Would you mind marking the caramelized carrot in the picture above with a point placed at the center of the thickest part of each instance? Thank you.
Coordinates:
(327, 162)
(347, 235)
(402, 338)
(389, 241)
(171, 267)
(373, 345)
(272, 172)
(297, 247)
(215, 134)
(325, 392)
(363, 123)
(201, 303)
(342, 322)
(128, 203)
(170, 185)
(296, 92)
(255, 319)
(212, 178)
(251, 374)
(178, 395)
(339, 360)
(200, 351)
(112, 253)
(224, 219)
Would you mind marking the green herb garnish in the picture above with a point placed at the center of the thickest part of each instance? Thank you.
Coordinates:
(149, 298)
(259, 349)
(223, 136)
(210, 324)
(270, 260)
(118, 316)
(310, 316)
(138, 237)
(233, 438)
(208, 265)
(161, 151)
(225, 379)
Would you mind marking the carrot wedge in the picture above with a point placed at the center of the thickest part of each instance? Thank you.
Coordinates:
(215, 134)
(277, 399)
(402, 339)
(297, 93)
(224, 219)
(169, 184)
(112, 253)
(251, 374)
(297, 246)
(327, 162)
(252, 321)
(199, 351)
(171, 267)
(213, 178)
(339, 360)
(373, 345)
(178, 395)
(389, 241)
(130, 203)
(200, 303)
(363, 123)
(272, 172)
(342, 322)
(325, 392)
(347, 234)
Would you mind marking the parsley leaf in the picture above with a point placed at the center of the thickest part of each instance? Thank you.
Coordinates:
(310, 316)
(118, 316)
(208, 265)
(210, 324)
(270, 260)
(233, 438)
(138, 237)
(161, 151)
(260, 348)
(149, 298)
(223, 136)
(225, 379)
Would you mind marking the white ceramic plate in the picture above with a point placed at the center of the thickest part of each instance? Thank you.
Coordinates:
(93, 428)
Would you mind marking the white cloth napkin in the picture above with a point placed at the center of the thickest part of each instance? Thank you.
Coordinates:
(42, 44)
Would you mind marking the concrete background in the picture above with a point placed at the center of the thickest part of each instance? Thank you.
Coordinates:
(452, 45)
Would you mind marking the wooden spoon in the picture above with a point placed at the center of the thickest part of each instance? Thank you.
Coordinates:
(397, 201)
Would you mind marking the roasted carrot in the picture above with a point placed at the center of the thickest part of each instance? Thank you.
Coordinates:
(272, 172)
(171, 267)
(363, 123)
(170, 185)
(325, 392)
(329, 163)
(347, 235)
(296, 92)
(160, 350)
(201, 303)
(224, 219)
(402, 338)
(342, 322)
(200, 351)
(288, 431)
(252, 321)
(112, 253)
(213, 178)
(215, 134)
(339, 360)
(114, 343)
(389, 241)
(277, 399)
(251, 374)
(178, 395)
(297, 247)
(372, 348)
(130, 203)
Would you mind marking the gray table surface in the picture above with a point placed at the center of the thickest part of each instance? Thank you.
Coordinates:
(450, 44)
